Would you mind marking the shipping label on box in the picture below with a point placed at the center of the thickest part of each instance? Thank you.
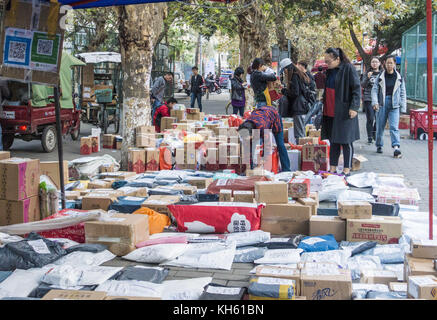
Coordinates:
(299, 188)
(120, 232)
(384, 230)
(74, 295)
(321, 225)
(22, 211)
(286, 219)
(354, 209)
(271, 192)
(19, 178)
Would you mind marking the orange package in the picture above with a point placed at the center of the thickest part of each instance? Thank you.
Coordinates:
(157, 221)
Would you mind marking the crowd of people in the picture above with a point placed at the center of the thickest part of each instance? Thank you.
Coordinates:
(336, 93)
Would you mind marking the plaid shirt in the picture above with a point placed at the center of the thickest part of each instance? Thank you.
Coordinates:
(266, 118)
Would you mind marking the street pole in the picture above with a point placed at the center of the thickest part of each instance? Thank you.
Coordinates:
(430, 111)
(60, 147)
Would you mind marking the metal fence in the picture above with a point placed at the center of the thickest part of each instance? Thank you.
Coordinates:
(414, 61)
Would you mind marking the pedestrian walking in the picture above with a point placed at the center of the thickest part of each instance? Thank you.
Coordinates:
(258, 81)
(367, 84)
(388, 98)
(297, 90)
(196, 82)
(238, 96)
(320, 79)
(158, 90)
(341, 101)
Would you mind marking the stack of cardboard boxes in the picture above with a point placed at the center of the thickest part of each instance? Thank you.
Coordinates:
(19, 187)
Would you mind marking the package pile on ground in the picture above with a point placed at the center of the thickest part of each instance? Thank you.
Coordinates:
(372, 245)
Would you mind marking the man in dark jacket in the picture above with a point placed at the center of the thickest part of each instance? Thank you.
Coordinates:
(196, 92)
(158, 90)
(238, 97)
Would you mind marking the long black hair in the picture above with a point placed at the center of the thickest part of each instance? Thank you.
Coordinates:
(338, 53)
(258, 62)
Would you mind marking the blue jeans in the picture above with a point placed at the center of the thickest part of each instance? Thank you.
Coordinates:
(283, 155)
(197, 96)
(392, 114)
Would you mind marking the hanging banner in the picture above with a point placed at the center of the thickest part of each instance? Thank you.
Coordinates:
(31, 44)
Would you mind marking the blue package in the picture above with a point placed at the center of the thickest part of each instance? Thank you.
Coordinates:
(319, 243)
(127, 204)
(202, 196)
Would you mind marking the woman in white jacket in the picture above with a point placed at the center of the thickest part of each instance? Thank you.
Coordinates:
(389, 98)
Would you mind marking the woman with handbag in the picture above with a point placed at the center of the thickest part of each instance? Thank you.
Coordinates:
(238, 97)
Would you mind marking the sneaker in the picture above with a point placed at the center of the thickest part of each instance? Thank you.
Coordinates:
(379, 150)
(397, 153)
(369, 141)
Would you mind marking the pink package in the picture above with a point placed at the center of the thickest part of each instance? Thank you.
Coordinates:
(163, 240)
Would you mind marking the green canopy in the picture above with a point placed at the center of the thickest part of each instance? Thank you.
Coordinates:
(40, 93)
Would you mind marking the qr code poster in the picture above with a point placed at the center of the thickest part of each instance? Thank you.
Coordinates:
(17, 47)
(45, 52)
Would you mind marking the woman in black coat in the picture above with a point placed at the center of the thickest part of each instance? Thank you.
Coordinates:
(341, 102)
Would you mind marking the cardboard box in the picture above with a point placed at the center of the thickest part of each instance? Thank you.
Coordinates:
(97, 201)
(108, 141)
(357, 160)
(354, 209)
(271, 192)
(196, 116)
(287, 124)
(19, 178)
(51, 169)
(243, 196)
(378, 276)
(326, 283)
(256, 172)
(314, 133)
(315, 196)
(74, 295)
(398, 286)
(310, 202)
(426, 249)
(384, 230)
(152, 159)
(106, 168)
(299, 188)
(94, 144)
(286, 219)
(167, 123)
(118, 142)
(280, 272)
(159, 203)
(22, 211)
(86, 145)
(193, 110)
(200, 183)
(5, 155)
(145, 140)
(133, 192)
(72, 195)
(178, 114)
(321, 225)
(225, 195)
(418, 267)
(100, 184)
(422, 287)
(310, 140)
(188, 190)
(120, 233)
(136, 160)
(145, 130)
(315, 157)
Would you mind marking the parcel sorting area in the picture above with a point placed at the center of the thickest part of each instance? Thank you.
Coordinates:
(179, 226)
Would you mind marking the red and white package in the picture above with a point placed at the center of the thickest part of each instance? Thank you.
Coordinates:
(217, 217)
(75, 233)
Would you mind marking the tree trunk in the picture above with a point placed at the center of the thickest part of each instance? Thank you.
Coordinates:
(252, 29)
(197, 57)
(366, 57)
(99, 18)
(139, 28)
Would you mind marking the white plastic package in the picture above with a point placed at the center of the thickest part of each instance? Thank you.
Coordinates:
(340, 257)
(173, 234)
(248, 238)
(359, 262)
(280, 256)
(188, 289)
(131, 288)
(157, 253)
(397, 268)
(215, 255)
(6, 238)
(89, 166)
(351, 195)
(362, 180)
(415, 224)
(290, 266)
(21, 282)
(68, 276)
(81, 258)
(332, 186)
(370, 287)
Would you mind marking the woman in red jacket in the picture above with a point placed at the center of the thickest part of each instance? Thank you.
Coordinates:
(163, 111)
